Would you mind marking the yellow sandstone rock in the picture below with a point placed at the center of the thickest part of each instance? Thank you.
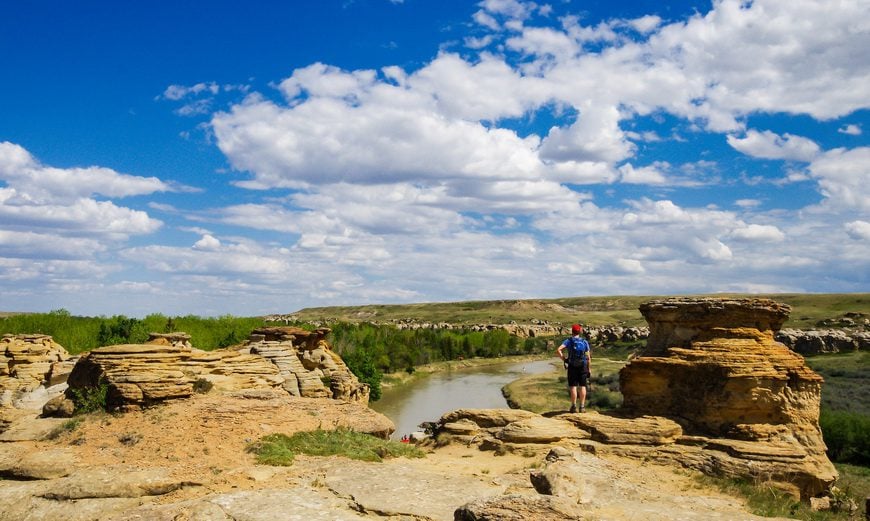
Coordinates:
(713, 366)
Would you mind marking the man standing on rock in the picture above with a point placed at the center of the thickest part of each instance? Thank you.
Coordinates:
(578, 362)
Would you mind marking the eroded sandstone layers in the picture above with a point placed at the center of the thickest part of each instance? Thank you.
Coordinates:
(298, 361)
(713, 366)
(33, 369)
(28, 361)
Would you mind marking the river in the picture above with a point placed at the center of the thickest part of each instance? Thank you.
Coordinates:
(427, 398)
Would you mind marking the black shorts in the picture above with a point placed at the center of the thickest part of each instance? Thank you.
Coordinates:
(577, 376)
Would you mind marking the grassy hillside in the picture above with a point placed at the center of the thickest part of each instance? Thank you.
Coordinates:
(807, 310)
(847, 381)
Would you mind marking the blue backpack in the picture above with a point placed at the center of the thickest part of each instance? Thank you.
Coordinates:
(578, 349)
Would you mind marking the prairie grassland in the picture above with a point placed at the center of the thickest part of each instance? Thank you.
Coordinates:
(808, 310)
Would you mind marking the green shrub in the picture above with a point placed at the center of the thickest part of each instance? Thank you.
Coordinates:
(280, 449)
(90, 399)
(202, 386)
(604, 400)
(847, 436)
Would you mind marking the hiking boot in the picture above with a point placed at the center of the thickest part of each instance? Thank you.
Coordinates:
(582, 408)
(573, 408)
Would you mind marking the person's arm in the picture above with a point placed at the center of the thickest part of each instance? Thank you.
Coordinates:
(559, 351)
(589, 361)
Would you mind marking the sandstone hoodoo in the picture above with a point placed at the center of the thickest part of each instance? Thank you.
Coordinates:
(166, 368)
(713, 366)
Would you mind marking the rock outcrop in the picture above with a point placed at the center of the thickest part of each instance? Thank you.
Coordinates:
(139, 375)
(170, 339)
(33, 371)
(814, 342)
(310, 367)
(713, 366)
(30, 361)
(518, 507)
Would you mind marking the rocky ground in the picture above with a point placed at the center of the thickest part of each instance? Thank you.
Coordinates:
(187, 460)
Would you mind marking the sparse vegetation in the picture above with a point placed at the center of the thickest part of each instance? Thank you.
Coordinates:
(67, 426)
(845, 412)
(130, 438)
(202, 386)
(280, 449)
(766, 500)
(847, 381)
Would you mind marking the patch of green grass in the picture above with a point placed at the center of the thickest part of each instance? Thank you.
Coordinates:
(845, 409)
(766, 500)
(854, 481)
(847, 381)
(280, 449)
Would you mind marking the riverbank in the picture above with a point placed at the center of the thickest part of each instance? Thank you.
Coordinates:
(546, 392)
(391, 380)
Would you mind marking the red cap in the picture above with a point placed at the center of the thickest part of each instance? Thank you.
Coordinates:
(576, 328)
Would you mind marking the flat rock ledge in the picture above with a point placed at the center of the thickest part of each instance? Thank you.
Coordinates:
(779, 459)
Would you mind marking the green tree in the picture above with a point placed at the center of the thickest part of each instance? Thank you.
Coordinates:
(362, 363)
(121, 330)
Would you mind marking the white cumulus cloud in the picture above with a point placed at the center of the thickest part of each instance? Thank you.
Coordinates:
(759, 232)
(768, 145)
(844, 177)
(851, 129)
(858, 230)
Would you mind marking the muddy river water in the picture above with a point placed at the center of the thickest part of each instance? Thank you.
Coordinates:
(427, 398)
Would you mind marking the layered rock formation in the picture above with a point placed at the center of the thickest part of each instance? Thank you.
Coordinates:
(138, 375)
(714, 367)
(310, 367)
(28, 361)
(33, 370)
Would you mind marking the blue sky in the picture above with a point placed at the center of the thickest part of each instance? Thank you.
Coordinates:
(186, 158)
